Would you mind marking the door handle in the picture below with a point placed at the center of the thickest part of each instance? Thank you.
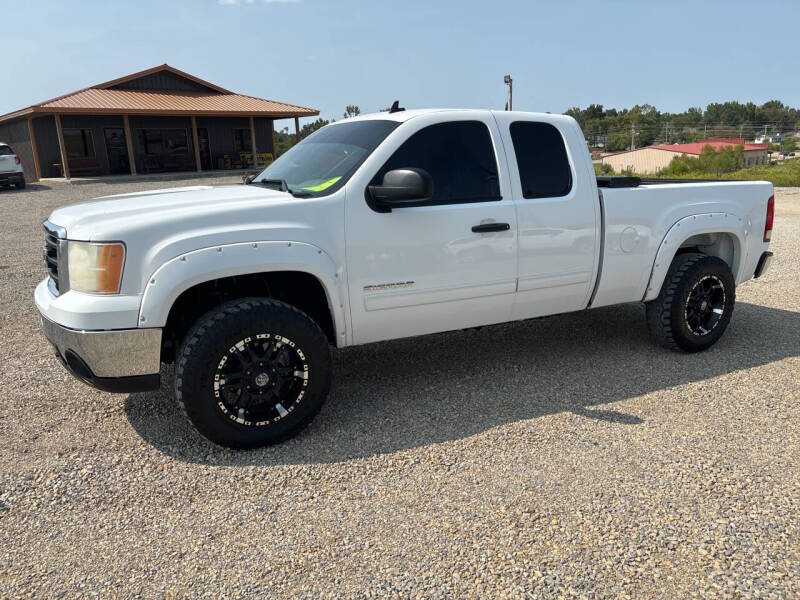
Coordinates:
(489, 227)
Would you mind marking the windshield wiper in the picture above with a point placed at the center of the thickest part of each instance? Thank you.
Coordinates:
(284, 187)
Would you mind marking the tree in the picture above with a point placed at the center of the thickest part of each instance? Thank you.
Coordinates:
(706, 160)
(618, 141)
(351, 110)
(309, 128)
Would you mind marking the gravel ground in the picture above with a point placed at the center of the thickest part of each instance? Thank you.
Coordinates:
(560, 457)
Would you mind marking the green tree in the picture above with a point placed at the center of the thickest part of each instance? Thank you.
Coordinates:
(618, 141)
(680, 165)
(309, 128)
(351, 110)
(724, 161)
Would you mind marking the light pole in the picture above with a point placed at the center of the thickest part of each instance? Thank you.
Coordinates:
(510, 83)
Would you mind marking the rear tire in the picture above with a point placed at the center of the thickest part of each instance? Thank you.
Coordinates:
(20, 185)
(695, 304)
(252, 372)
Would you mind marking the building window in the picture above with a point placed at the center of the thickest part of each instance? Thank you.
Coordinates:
(160, 150)
(242, 141)
(163, 141)
(78, 143)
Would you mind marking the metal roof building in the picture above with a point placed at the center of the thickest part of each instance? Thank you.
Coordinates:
(651, 159)
(157, 120)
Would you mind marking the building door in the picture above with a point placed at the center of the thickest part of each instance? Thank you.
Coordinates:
(117, 151)
(205, 148)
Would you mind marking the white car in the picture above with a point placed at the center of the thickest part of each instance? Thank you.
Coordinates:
(10, 168)
(373, 228)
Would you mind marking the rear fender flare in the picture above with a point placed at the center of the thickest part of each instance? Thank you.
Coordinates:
(682, 230)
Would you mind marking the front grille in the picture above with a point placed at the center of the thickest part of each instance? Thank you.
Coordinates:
(51, 249)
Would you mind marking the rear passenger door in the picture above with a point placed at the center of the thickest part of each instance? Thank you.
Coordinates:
(557, 214)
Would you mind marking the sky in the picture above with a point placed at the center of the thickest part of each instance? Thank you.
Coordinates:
(327, 54)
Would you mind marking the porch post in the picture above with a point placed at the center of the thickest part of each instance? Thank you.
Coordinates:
(274, 145)
(196, 145)
(296, 130)
(129, 144)
(253, 141)
(34, 151)
(61, 148)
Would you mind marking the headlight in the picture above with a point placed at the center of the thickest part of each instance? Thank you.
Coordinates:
(95, 268)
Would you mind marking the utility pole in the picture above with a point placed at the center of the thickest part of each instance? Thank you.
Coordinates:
(633, 134)
(510, 83)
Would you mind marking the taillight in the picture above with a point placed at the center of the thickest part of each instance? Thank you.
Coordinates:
(770, 217)
(16, 159)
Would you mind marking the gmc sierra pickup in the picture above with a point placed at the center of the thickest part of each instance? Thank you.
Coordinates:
(379, 227)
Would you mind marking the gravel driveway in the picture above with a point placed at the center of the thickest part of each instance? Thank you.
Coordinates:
(559, 457)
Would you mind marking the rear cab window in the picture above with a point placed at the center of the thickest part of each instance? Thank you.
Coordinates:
(6, 151)
(458, 155)
(544, 168)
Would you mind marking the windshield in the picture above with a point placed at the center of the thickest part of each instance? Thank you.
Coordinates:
(325, 160)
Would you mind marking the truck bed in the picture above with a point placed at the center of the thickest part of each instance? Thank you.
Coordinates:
(622, 181)
(638, 213)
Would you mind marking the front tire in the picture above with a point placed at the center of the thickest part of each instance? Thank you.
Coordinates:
(695, 304)
(253, 372)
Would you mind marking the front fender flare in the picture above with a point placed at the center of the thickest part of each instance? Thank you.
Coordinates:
(682, 230)
(179, 274)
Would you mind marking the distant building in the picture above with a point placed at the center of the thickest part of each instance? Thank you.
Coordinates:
(651, 159)
(158, 120)
(772, 139)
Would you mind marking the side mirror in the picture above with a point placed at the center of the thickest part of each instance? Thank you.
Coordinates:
(403, 187)
(248, 179)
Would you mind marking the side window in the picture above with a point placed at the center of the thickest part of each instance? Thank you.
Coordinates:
(542, 160)
(459, 157)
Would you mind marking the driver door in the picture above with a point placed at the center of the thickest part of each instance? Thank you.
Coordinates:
(423, 269)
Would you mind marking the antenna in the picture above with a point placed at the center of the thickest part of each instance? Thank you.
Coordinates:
(396, 107)
(510, 83)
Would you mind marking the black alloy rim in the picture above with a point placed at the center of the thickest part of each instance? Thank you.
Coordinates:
(705, 305)
(261, 379)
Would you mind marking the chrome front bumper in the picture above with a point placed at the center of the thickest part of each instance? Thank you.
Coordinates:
(117, 361)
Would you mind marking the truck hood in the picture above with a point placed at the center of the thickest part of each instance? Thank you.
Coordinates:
(157, 226)
(110, 218)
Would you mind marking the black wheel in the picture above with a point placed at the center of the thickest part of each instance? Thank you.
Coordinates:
(695, 304)
(20, 185)
(253, 372)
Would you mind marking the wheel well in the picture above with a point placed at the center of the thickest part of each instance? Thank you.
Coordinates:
(302, 290)
(722, 245)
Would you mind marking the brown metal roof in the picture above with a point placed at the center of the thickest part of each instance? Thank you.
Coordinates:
(216, 102)
(172, 102)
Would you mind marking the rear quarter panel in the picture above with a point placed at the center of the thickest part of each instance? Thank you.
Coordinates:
(638, 221)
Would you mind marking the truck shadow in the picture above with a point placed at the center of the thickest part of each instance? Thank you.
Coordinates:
(419, 391)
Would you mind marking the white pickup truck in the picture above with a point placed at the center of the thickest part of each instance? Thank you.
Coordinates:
(373, 228)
